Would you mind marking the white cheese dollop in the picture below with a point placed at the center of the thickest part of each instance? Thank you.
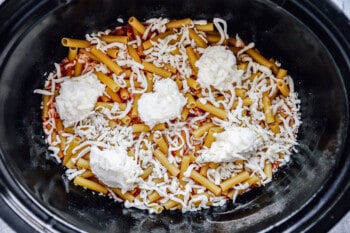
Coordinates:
(235, 143)
(217, 68)
(115, 168)
(78, 97)
(165, 103)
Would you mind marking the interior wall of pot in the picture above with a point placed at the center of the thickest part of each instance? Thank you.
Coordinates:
(275, 33)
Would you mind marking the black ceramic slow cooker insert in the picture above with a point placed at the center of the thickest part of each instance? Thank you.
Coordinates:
(310, 38)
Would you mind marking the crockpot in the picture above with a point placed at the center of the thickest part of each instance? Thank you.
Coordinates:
(310, 38)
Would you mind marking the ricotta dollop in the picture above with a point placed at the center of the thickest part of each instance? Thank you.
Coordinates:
(235, 143)
(163, 104)
(115, 168)
(78, 97)
(217, 67)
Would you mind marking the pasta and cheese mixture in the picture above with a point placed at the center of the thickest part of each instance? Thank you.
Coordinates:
(169, 114)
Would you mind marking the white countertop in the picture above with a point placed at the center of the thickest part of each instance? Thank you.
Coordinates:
(341, 227)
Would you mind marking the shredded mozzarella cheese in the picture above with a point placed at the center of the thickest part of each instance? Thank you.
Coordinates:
(105, 128)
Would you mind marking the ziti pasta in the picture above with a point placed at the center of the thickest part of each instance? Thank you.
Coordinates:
(169, 114)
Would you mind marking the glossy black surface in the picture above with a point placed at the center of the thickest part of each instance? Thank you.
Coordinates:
(308, 38)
